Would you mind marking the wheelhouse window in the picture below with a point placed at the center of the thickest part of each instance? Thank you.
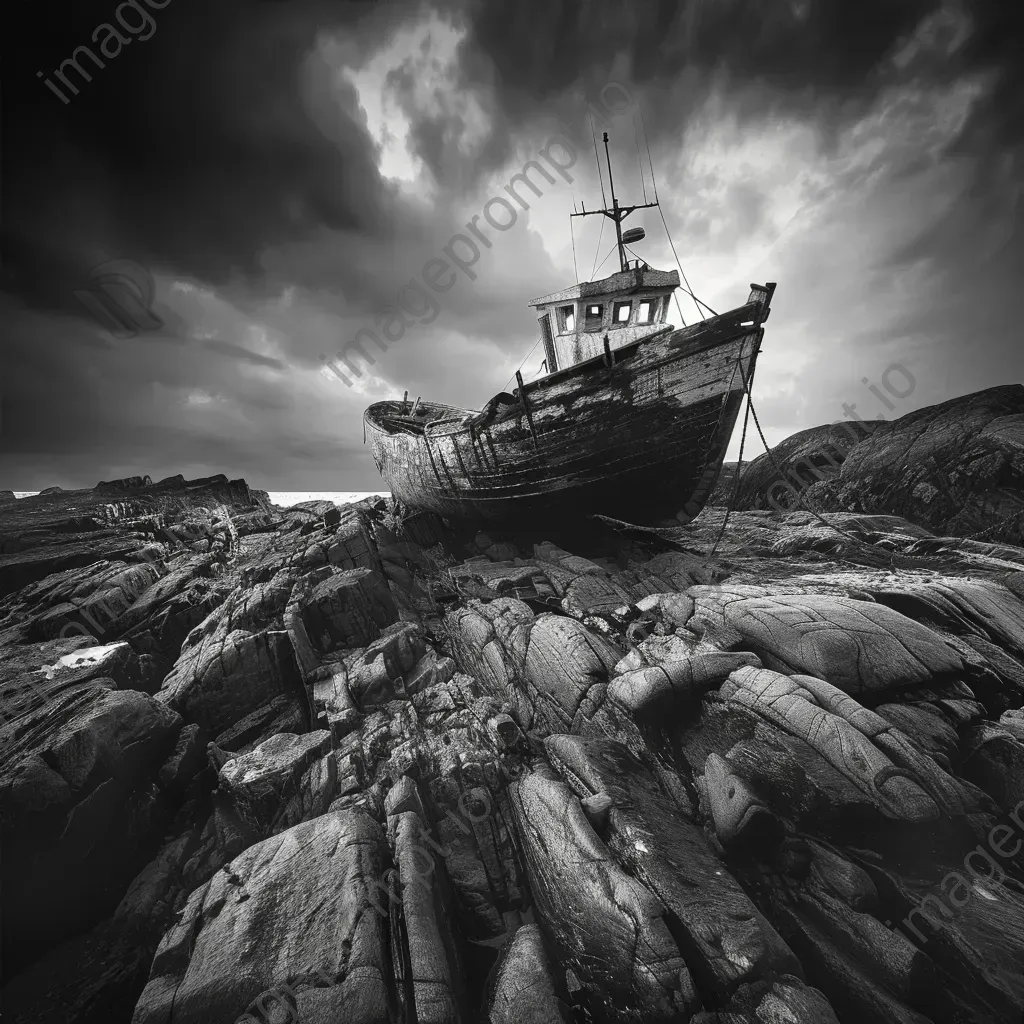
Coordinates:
(646, 313)
(567, 316)
(622, 311)
(594, 317)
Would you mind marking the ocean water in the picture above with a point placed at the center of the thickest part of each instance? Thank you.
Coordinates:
(287, 498)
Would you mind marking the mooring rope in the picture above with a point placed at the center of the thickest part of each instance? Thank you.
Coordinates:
(782, 477)
(739, 464)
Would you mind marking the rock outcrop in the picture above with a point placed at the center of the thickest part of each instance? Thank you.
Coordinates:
(956, 468)
(354, 764)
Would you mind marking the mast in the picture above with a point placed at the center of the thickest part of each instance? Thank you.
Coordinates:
(617, 213)
(615, 206)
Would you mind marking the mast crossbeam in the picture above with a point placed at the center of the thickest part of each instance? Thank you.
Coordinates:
(617, 213)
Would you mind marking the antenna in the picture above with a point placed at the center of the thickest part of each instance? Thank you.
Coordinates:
(617, 213)
(615, 206)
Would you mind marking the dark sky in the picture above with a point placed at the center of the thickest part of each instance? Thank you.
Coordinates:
(283, 168)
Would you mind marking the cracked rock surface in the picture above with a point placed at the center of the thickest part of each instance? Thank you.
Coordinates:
(956, 468)
(357, 764)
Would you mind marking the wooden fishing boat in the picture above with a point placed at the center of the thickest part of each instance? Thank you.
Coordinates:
(632, 419)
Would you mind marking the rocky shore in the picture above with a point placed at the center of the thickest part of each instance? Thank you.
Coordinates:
(956, 468)
(353, 764)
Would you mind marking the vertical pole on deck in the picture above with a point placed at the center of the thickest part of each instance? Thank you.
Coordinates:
(526, 408)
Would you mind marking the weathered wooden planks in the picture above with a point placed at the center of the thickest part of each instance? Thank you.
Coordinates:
(586, 440)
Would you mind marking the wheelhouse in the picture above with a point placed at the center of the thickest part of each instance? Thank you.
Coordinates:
(623, 308)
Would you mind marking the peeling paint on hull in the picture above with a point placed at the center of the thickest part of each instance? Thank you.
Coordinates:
(649, 432)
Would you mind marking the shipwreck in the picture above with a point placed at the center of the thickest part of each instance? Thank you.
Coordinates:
(631, 413)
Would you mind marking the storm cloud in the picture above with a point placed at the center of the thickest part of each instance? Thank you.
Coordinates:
(282, 169)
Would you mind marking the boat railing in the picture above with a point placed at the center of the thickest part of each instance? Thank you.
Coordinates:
(405, 424)
(419, 419)
(620, 356)
(453, 423)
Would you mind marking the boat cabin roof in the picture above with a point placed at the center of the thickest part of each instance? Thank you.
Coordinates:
(622, 283)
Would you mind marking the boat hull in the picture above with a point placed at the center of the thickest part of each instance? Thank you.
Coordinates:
(638, 434)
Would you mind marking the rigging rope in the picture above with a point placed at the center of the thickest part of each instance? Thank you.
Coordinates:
(682, 272)
(739, 464)
(781, 476)
(522, 364)
(639, 164)
(679, 309)
(692, 296)
(648, 145)
(597, 252)
(654, 183)
(605, 260)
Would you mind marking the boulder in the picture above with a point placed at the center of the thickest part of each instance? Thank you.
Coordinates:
(566, 670)
(271, 788)
(289, 919)
(786, 704)
(726, 939)
(81, 811)
(524, 989)
(128, 483)
(952, 467)
(659, 689)
(604, 924)
(348, 609)
(857, 646)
